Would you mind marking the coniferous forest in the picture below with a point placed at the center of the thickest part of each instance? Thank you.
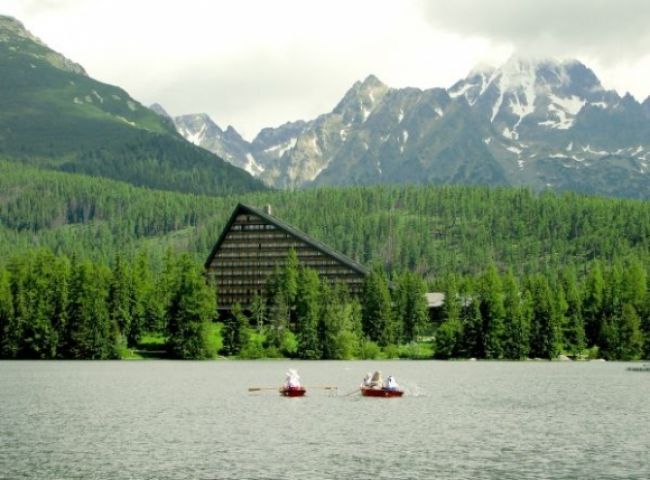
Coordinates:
(95, 268)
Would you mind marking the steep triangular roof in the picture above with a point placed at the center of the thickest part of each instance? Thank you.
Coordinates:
(318, 245)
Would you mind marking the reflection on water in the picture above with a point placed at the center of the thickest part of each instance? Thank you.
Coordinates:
(458, 420)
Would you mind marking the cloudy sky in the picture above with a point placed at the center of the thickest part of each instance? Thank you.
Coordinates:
(256, 63)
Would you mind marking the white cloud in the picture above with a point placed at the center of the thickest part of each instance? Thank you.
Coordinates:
(255, 63)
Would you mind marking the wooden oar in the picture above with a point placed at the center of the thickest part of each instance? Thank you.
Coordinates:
(259, 389)
(324, 387)
(356, 390)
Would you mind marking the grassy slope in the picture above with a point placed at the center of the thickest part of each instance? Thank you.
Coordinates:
(59, 118)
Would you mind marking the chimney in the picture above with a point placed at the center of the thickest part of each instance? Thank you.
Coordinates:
(267, 209)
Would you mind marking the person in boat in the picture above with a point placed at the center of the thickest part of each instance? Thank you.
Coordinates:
(391, 383)
(377, 380)
(366, 380)
(292, 379)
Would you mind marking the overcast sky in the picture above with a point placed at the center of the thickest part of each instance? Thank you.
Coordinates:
(257, 63)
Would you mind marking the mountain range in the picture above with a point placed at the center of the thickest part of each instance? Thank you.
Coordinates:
(542, 123)
(53, 115)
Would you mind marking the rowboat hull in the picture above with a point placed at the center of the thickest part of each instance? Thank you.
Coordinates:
(384, 393)
(292, 391)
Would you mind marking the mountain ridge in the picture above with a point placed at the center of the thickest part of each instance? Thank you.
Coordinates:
(54, 116)
(535, 122)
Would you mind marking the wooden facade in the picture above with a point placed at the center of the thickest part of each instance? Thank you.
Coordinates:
(254, 243)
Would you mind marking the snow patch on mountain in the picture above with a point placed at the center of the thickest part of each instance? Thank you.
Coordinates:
(252, 166)
(194, 137)
(282, 148)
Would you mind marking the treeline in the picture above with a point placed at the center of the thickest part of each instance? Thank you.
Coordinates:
(59, 307)
(53, 306)
(487, 316)
(431, 230)
(495, 316)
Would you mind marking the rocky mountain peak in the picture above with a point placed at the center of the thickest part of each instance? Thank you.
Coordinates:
(19, 39)
(158, 108)
(232, 134)
(372, 82)
(646, 107)
(531, 121)
(9, 26)
(361, 99)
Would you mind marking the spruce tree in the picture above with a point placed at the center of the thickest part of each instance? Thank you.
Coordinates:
(516, 326)
(146, 314)
(472, 343)
(278, 327)
(39, 335)
(545, 340)
(630, 334)
(593, 303)
(258, 312)
(192, 307)
(6, 315)
(448, 338)
(289, 277)
(235, 331)
(337, 340)
(89, 333)
(377, 309)
(307, 314)
(121, 300)
(573, 328)
(410, 306)
(492, 312)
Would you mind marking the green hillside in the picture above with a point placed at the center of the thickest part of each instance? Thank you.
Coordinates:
(570, 278)
(53, 115)
(428, 229)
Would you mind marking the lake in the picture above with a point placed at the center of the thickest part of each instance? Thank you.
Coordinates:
(196, 420)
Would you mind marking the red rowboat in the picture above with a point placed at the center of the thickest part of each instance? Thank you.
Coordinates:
(292, 391)
(380, 392)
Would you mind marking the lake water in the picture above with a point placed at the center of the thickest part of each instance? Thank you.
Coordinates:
(196, 420)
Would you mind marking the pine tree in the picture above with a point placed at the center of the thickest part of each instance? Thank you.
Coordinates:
(630, 335)
(593, 303)
(410, 306)
(573, 328)
(307, 314)
(6, 315)
(492, 312)
(146, 314)
(39, 336)
(378, 322)
(472, 342)
(191, 309)
(448, 338)
(545, 341)
(89, 334)
(235, 331)
(258, 312)
(61, 295)
(516, 326)
(278, 320)
(15, 329)
(337, 340)
(634, 284)
(120, 300)
(289, 278)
